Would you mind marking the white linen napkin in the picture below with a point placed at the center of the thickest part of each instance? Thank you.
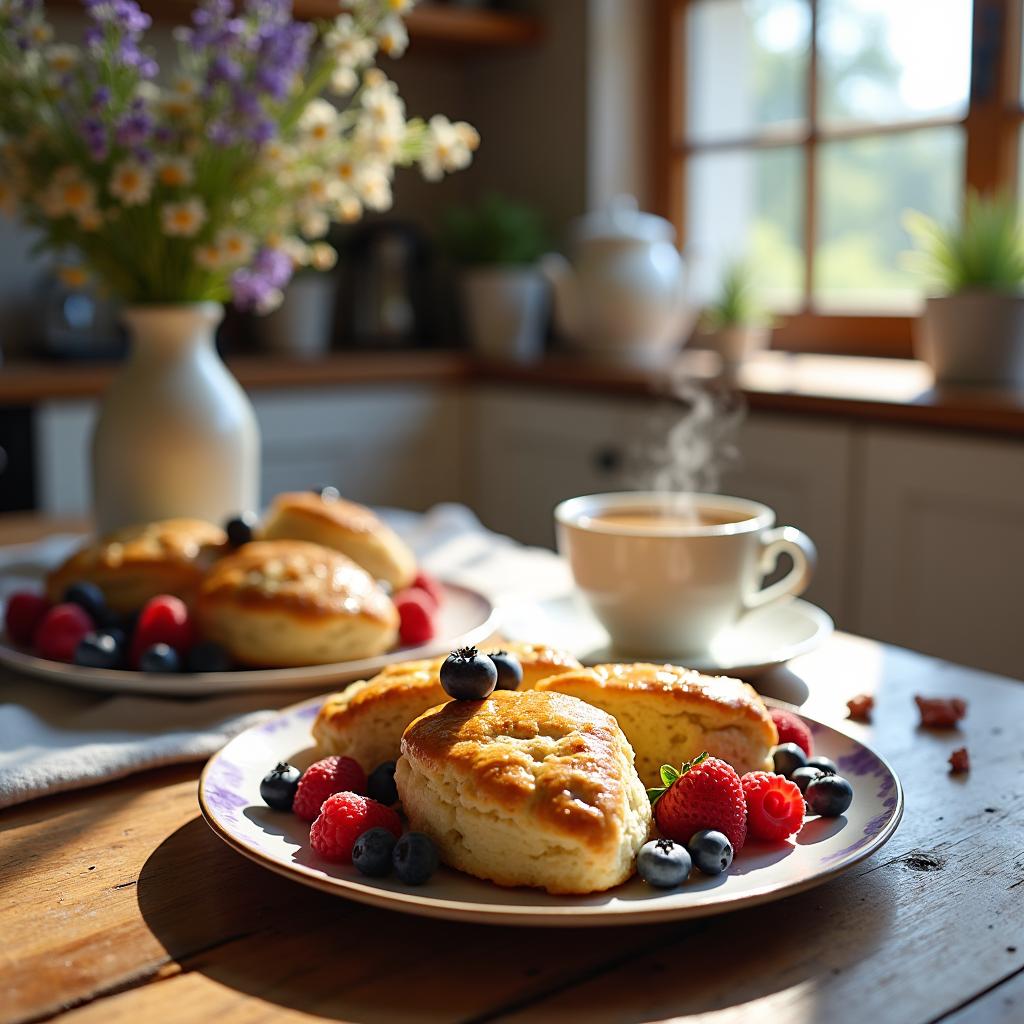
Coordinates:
(54, 738)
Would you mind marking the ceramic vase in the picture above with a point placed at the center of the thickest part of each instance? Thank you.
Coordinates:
(176, 434)
(506, 310)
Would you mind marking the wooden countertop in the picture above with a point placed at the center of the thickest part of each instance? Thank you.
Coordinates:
(878, 390)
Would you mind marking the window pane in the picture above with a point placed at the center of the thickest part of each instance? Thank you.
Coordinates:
(891, 60)
(747, 204)
(746, 66)
(864, 187)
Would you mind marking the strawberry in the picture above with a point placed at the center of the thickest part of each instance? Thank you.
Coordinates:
(775, 806)
(704, 793)
(792, 729)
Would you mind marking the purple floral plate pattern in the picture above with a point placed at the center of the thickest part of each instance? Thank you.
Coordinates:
(230, 802)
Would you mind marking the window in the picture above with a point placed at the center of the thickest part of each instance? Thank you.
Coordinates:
(795, 133)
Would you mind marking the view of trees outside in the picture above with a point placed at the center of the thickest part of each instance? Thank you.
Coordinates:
(880, 61)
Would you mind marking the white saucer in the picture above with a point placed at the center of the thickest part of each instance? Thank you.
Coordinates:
(761, 640)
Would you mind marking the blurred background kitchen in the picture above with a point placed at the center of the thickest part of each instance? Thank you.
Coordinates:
(521, 333)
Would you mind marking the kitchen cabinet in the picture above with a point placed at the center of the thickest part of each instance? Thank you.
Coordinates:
(941, 557)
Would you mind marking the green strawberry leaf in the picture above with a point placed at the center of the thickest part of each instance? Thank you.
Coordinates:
(654, 795)
(668, 775)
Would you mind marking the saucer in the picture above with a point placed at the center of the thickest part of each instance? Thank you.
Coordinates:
(761, 640)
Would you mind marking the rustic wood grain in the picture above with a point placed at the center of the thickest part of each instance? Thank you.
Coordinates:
(120, 904)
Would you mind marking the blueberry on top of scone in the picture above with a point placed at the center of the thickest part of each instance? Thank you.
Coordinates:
(468, 675)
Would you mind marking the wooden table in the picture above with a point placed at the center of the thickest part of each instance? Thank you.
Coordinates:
(119, 904)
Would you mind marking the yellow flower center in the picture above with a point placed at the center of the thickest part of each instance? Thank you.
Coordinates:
(75, 194)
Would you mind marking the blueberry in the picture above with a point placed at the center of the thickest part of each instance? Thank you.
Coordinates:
(373, 851)
(415, 858)
(803, 776)
(208, 657)
(240, 529)
(90, 599)
(787, 758)
(159, 658)
(380, 784)
(825, 764)
(468, 675)
(328, 493)
(510, 672)
(829, 796)
(99, 650)
(663, 863)
(710, 851)
(277, 788)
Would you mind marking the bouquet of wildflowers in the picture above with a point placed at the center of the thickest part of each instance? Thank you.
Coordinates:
(219, 181)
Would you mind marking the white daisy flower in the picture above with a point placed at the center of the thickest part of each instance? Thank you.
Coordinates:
(186, 85)
(322, 256)
(209, 257)
(174, 171)
(61, 58)
(401, 6)
(236, 247)
(319, 121)
(374, 188)
(392, 36)
(344, 80)
(273, 298)
(131, 183)
(449, 147)
(68, 195)
(349, 209)
(314, 223)
(347, 44)
(183, 219)
(89, 219)
(177, 106)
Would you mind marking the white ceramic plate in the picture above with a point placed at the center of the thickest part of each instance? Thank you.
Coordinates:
(466, 617)
(230, 801)
(761, 640)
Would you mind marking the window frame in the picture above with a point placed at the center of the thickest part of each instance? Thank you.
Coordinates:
(992, 126)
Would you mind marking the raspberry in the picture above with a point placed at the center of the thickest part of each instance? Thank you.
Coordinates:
(23, 614)
(60, 631)
(343, 818)
(163, 620)
(775, 806)
(430, 586)
(416, 611)
(706, 794)
(792, 730)
(324, 778)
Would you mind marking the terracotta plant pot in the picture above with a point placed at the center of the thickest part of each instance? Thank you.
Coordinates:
(973, 338)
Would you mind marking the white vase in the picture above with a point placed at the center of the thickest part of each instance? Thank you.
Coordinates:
(506, 310)
(176, 434)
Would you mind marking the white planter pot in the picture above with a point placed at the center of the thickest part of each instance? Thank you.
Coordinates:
(973, 338)
(735, 344)
(506, 312)
(301, 326)
(176, 434)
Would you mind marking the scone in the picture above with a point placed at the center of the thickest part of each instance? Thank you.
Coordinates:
(671, 714)
(366, 721)
(526, 788)
(346, 527)
(136, 563)
(284, 603)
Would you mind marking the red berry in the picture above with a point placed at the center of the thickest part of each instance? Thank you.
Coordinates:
(23, 614)
(323, 779)
(706, 794)
(60, 631)
(431, 586)
(343, 818)
(792, 729)
(415, 616)
(775, 806)
(163, 620)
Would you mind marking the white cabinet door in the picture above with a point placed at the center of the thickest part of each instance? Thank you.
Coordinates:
(942, 557)
(801, 467)
(379, 445)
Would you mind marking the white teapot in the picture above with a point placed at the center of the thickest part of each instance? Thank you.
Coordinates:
(623, 298)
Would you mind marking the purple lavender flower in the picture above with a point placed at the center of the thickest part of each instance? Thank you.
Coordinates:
(100, 98)
(269, 272)
(134, 130)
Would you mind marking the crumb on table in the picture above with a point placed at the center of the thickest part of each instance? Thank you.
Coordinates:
(940, 712)
(959, 761)
(861, 707)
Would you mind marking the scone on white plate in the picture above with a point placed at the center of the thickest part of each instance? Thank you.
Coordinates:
(671, 714)
(344, 526)
(284, 603)
(366, 720)
(526, 788)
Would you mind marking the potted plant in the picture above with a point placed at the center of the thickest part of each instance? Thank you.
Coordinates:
(972, 328)
(212, 186)
(735, 325)
(497, 244)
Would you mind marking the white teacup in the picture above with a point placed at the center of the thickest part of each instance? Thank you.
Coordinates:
(667, 573)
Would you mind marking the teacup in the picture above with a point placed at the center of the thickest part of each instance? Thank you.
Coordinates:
(666, 574)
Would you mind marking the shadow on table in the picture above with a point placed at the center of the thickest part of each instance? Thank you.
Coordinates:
(233, 924)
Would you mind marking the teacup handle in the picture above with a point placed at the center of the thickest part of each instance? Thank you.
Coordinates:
(800, 548)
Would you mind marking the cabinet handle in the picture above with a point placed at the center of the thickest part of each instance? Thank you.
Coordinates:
(607, 460)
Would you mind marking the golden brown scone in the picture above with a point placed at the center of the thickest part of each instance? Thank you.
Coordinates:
(136, 563)
(345, 526)
(526, 788)
(366, 721)
(671, 714)
(284, 603)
